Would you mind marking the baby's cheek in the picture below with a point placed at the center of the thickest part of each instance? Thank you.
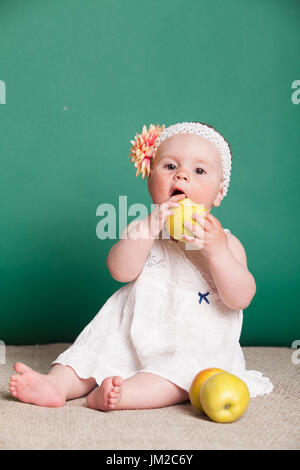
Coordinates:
(158, 188)
(204, 192)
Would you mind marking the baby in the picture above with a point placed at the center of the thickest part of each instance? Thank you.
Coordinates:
(181, 310)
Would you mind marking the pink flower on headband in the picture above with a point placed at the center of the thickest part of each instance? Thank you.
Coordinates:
(142, 148)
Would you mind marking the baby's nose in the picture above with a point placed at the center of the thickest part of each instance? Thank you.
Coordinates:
(182, 175)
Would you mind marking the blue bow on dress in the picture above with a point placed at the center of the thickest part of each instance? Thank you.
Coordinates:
(203, 296)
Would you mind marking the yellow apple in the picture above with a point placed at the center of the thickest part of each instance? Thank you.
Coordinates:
(224, 397)
(201, 377)
(182, 214)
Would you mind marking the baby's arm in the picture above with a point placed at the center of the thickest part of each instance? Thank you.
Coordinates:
(236, 285)
(127, 257)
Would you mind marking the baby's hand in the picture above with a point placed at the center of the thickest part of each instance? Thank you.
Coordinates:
(158, 216)
(210, 236)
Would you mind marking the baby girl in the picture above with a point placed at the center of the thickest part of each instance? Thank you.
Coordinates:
(181, 309)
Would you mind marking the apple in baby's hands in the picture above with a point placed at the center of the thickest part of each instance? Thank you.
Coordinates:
(182, 214)
(195, 388)
(224, 397)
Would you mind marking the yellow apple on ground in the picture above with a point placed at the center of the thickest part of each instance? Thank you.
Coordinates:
(200, 378)
(224, 397)
(182, 214)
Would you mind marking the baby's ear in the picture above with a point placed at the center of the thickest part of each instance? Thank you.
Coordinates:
(218, 200)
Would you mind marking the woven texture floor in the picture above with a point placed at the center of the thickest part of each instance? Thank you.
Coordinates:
(270, 422)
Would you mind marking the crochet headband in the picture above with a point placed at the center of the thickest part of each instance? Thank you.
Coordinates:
(145, 146)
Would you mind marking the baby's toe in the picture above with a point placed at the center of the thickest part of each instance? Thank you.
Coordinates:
(113, 394)
(13, 390)
(21, 368)
(112, 401)
(112, 404)
(117, 380)
(12, 385)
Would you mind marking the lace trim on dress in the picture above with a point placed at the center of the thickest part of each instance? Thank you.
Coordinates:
(153, 260)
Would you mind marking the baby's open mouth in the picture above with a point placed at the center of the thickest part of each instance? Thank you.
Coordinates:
(177, 191)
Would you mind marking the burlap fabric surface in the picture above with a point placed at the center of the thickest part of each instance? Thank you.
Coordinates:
(271, 421)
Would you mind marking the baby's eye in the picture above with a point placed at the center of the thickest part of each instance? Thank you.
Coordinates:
(170, 164)
(202, 171)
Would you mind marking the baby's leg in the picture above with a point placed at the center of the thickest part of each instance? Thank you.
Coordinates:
(141, 391)
(60, 384)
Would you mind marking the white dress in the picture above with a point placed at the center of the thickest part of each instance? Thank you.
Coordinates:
(170, 321)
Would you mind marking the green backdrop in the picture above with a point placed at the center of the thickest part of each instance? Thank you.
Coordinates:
(82, 77)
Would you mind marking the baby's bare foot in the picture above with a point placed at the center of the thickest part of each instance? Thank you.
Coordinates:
(31, 387)
(107, 396)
